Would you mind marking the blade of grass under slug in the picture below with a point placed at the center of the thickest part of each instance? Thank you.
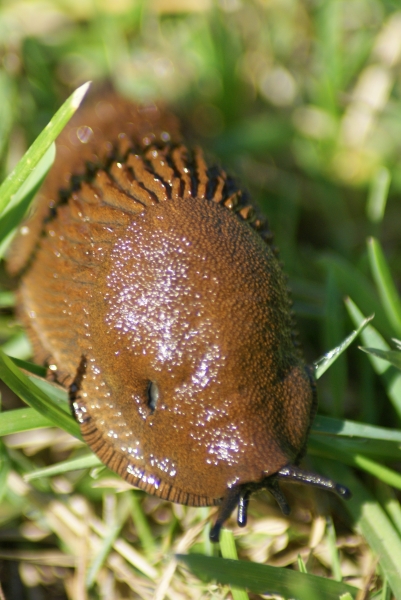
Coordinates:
(27, 390)
(385, 284)
(32, 156)
(323, 363)
(372, 338)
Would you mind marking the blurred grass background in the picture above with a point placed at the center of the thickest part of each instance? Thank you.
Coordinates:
(302, 101)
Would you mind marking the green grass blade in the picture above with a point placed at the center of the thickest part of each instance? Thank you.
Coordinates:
(228, 550)
(263, 579)
(106, 545)
(354, 284)
(371, 520)
(88, 461)
(35, 152)
(372, 339)
(391, 356)
(390, 503)
(4, 471)
(322, 364)
(30, 367)
(7, 299)
(333, 334)
(27, 390)
(351, 438)
(301, 564)
(385, 474)
(18, 346)
(385, 284)
(56, 394)
(17, 208)
(377, 199)
(141, 524)
(332, 546)
(22, 419)
(376, 450)
(342, 427)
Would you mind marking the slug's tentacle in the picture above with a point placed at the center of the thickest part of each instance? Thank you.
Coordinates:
(230, 501)
(239, 495)
(271, 484)
(297, 475)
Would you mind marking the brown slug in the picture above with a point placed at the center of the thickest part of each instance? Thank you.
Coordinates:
(152, 291)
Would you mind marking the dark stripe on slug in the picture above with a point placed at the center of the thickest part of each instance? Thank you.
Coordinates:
(180, 176)
(139, 191)
(92, 434)
(157, 160)
(179, 161)
(213, 173)
(147, 178)
(117, 463)
(105, 453)
(167, 490)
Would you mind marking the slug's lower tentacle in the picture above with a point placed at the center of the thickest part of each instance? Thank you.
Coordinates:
(229, 502)
(271, 484)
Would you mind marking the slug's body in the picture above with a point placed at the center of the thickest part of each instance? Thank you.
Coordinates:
(148, 286)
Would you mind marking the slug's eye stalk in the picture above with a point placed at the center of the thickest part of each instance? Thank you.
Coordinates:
(297, 475)
(239, 495)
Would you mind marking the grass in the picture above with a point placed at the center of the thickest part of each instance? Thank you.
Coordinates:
(302, 101)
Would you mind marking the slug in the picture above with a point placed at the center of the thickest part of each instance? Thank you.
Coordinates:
(152, 291)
